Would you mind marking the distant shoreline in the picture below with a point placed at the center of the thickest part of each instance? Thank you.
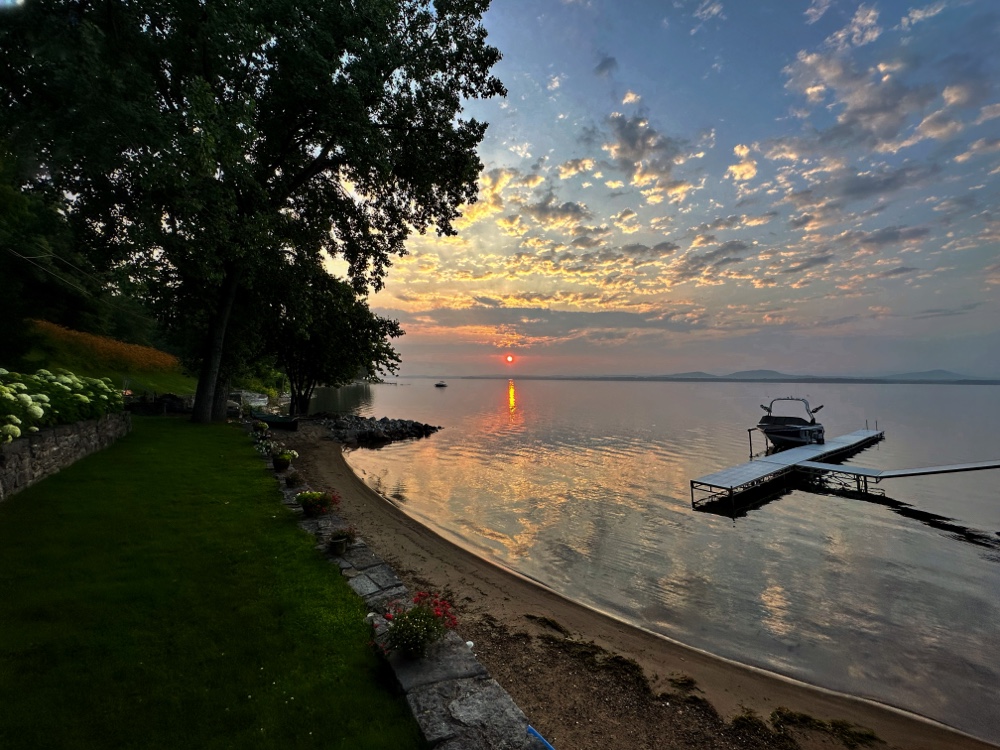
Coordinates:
(713, 379)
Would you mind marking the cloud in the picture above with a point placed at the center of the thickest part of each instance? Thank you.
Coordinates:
(553, 215)
(735, 221)
(881, 183)
(488, 301)
(606, 66)
(706, 11)
(521, 149)
(978, 148)
(490, 202)
(626, 221)
(916, 15)
(991, 274)
(702, 266)
(946, 312)
(989, 112)
(746, 168)
(574, 167)
(554, 83)
(939, 126)
(816, 10)
(874, 108)
(542, 326)
(897, 271)
(812, 262)
(513, 225)
(873, 241)
(647, 157)
(863, 29)
(631, 97)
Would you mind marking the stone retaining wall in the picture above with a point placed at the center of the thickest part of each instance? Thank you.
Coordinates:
(31, 458)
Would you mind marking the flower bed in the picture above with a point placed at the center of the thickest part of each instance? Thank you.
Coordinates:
(413, 629)
(317, 503)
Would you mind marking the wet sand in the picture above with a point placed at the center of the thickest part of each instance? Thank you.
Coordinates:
(557, 658)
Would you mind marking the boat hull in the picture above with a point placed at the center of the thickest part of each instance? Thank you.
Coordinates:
(787, 436)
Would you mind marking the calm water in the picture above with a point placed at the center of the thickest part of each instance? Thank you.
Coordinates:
(584, 486)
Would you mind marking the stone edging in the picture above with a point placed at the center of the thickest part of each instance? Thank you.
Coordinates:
(456, 702)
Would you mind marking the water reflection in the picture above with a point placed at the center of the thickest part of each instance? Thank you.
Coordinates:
(356, 398)
(513, 416)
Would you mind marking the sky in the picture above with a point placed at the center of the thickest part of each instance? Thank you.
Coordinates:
(809, 186)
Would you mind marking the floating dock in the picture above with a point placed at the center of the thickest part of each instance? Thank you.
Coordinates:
(739, 479)
(736, 480)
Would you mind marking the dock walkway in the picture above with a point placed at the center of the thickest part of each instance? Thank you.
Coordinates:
(738, 479)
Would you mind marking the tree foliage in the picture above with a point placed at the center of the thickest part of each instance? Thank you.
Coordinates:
(323, 332)
(196, 145)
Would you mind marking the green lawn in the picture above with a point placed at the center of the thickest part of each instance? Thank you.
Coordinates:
(157, 595)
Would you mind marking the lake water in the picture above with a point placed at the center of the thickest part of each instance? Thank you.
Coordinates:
(584, 486)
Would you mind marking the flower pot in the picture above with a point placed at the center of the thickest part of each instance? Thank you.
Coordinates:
(280, 464)
(338, 545)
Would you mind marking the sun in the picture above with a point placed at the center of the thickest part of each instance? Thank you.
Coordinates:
(510, 358)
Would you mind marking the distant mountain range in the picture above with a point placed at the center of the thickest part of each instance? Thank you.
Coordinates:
(926, 376)
(759, 376)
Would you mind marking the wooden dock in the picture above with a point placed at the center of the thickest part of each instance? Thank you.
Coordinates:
(739, 479)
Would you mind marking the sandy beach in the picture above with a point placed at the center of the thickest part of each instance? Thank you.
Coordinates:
(587, 680)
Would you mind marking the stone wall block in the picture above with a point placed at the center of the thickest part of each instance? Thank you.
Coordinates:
(32, 458)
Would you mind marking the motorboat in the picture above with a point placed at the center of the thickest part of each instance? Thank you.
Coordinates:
(789, 431)
(440, 384)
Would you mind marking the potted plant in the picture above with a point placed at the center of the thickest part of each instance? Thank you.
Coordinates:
(283, 459)
(413, 629)
(341, 539)
(317, 503)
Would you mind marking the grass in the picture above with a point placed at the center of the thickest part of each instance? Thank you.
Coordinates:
(157, 595)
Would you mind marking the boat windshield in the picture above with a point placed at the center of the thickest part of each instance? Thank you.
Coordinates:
(784, 408)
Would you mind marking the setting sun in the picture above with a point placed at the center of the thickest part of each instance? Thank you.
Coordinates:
(510, 358)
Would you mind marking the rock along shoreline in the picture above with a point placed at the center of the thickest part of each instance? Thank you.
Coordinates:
(369, 432)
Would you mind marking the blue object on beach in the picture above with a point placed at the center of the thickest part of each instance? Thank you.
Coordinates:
(534, 733)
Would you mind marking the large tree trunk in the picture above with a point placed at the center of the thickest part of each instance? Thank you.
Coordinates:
(220, 403)
(208, 378)
(301, 388)
(300, 402)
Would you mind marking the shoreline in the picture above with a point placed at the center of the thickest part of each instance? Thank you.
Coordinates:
(501, 604)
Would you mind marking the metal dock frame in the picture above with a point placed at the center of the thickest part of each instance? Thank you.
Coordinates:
(736, 480)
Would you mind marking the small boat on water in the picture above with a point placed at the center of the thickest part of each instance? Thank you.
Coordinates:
(440, 384)
(789, 431)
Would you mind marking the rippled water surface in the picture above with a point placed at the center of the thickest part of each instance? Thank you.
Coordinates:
(584, 486)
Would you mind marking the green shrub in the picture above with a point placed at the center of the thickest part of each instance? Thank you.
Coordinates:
(30, 402)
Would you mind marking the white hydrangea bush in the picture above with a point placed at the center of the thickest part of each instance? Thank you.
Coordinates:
(30, 402)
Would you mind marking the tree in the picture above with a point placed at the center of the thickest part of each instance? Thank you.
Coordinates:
(199, 144)
(324, 333)
(42, 277)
